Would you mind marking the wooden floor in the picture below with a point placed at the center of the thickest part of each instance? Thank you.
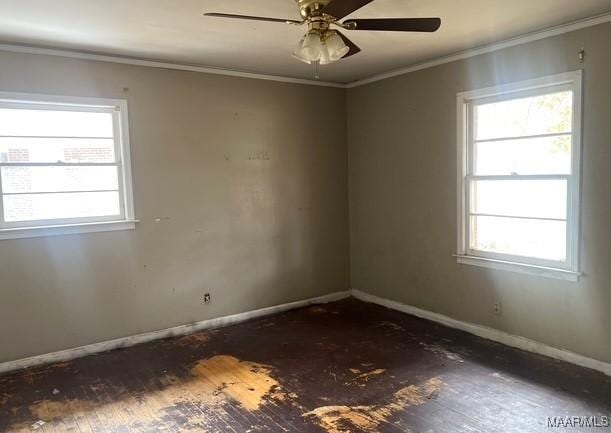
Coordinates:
(341, 367)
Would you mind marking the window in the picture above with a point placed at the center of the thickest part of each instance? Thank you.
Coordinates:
(64, 165)
(518, 164)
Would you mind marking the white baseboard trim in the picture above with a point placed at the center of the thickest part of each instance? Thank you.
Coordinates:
(489, 333)
(90, 349)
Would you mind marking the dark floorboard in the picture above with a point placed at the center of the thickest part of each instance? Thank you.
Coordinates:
(347, 366)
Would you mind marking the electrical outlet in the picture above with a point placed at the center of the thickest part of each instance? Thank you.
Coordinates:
(206, 298)
(497, 308)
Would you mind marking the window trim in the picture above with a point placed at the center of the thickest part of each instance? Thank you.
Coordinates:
(568, 270)
(126, 220)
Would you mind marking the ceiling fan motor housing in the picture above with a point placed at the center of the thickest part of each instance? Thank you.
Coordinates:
(311, 8)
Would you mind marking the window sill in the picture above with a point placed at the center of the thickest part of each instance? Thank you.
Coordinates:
(67, 229)
(540, 271)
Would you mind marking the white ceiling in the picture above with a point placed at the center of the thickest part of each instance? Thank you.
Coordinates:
(175, 31)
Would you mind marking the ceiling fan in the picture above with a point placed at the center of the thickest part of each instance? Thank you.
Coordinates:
(322, 44)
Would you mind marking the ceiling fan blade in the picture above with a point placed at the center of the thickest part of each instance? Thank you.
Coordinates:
(248, 17)
(395, 24)
(338, 9)
(354, 49)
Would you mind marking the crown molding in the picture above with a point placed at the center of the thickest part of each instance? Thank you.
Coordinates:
(27, 49)
(518, 40)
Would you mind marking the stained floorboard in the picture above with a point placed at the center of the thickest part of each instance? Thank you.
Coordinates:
(342, 367)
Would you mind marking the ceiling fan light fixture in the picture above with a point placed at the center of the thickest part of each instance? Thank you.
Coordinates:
(336, 46)
(312, 46)
(320, 47)
(299, 53)
(325, 58)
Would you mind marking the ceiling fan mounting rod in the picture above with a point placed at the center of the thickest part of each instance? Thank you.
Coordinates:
(311, 8)
(312, 12)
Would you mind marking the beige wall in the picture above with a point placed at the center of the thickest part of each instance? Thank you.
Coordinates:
(402, 169)
(253, 208)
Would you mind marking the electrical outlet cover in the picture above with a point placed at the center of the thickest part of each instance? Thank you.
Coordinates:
(497, 308)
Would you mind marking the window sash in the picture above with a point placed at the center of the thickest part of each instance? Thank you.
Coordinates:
(523, 137)
(471, 158)
(118, 109)
(466, 103)
(26, 103)
(518, 92)
(517, 217)
(470, 181)
(470, 251)
(60, 164)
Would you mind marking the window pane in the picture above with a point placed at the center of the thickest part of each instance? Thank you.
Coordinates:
(548, 155)
(521, 237)
(543, 114)
(62, 205)
(75, 150)
(21, 122)
(524, 198)
(58, 179)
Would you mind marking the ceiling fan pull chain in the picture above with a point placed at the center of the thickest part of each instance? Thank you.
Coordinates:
(316, 70)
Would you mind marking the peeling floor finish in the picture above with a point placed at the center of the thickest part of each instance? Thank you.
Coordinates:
(337, 419)
(345, 367)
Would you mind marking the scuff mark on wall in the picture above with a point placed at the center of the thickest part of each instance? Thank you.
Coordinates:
(259, 156)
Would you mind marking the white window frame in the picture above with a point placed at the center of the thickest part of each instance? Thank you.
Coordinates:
(567, 270)
(118, 109)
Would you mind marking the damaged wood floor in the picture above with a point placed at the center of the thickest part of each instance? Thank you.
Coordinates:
(347, 366)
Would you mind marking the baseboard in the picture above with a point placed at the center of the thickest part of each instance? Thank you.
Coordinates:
(90, 349)
(472, 328)
(489, 333)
